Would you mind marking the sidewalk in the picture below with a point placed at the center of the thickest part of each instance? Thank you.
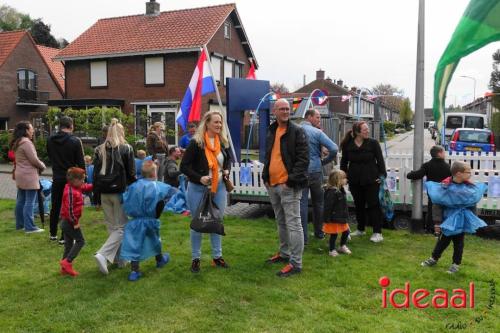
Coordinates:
(7, 168)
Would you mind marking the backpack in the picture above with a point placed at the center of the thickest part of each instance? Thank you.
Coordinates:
(114, 180)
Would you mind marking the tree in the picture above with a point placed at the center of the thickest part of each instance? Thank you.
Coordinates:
(495, 79)
(11, 19)
(406, 114)
(41, 34)
(390, 95)
(279, 88)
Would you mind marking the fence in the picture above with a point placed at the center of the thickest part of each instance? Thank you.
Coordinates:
(398, 165)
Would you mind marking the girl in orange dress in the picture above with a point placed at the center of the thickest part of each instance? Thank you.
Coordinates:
(336, 214)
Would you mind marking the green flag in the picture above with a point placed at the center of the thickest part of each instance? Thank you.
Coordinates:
(479, 26)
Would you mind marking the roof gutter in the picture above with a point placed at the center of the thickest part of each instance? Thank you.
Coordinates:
(129, 54)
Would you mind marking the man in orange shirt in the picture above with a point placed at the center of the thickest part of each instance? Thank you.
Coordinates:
(285, 175)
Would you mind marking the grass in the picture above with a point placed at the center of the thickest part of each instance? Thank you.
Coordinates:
(331, 295)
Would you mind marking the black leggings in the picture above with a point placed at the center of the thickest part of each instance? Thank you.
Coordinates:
(73, 240)
(343, 239)
(366, 201)
(444, 241)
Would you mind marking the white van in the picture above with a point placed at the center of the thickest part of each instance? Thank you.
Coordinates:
(455, 120)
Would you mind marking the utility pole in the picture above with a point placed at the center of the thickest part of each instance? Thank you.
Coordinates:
(418, 137)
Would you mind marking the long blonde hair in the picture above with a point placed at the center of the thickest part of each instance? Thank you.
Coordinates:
(114, 139)
(335, 179)
(199, 136)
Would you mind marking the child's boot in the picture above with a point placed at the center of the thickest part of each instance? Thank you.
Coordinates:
(67, 268)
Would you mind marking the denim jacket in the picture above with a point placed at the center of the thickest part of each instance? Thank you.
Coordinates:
(316, 139)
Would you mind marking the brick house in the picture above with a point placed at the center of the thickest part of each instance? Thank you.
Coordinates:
(28, 78)
(145, 61)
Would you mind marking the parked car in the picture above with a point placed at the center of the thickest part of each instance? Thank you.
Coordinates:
(454, 120)
(472, 139)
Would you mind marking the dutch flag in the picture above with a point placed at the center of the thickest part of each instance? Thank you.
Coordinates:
(201, 84)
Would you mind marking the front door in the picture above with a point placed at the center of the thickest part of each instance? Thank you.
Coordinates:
(166, 115)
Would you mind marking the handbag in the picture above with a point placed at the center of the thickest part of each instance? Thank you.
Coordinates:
(208, 217)
(227, 182)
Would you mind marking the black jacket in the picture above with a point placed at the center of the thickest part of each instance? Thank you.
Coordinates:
(194, 163)
(127, 157)
(294, 152)
(335, 206)
(363, 165)
(435, 170)
(65, 151)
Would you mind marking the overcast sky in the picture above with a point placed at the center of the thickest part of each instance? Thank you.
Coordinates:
(362, 42)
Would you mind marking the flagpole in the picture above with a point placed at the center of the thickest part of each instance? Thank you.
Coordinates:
(418, 134)
(220, 102)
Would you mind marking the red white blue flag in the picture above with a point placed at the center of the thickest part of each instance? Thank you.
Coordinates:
(201, 84)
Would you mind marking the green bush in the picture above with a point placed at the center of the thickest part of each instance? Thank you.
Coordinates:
(389, 126)
(495, 123)
(136, 141)
(41, 150)
(4, 145)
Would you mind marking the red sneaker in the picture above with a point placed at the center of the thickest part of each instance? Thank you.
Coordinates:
(276, 258)
(67, 268)
(289, 270)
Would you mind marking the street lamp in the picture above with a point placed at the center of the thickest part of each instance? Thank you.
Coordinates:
(470, 77)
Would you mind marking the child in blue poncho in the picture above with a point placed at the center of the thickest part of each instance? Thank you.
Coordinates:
(144, 201)
(458, 198)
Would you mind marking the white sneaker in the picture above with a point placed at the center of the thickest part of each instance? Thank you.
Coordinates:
(34, 231)
(344, 249)
(333, 253)
(101, 263)
(358, 233)
(376, 238)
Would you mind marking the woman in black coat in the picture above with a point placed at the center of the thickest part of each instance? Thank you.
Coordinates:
(363, 163)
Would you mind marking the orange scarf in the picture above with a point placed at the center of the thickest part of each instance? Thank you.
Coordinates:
(211, 153)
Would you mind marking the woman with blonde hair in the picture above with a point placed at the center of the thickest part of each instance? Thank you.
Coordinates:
(205, 162)
(114, 169)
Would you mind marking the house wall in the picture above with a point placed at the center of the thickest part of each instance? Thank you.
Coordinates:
(335, 104)
(25, 55)
(126, 75)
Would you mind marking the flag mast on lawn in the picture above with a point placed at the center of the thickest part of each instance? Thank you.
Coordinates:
(418, 134)
(220, 102)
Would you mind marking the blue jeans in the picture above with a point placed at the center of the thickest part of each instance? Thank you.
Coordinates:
(315, 185)
(25, 204)
(193, 197)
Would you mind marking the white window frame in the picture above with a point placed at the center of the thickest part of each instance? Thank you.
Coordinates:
(227, 30)
(216, 65)
(228, 64)
(98, 74)
(154, 70)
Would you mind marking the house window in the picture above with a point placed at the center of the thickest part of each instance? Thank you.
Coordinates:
(238, 70)
(228, 69)
(227, 30)
(154, 70)
(26, 79)
(98, 74)
(4, 124)
(216, 64)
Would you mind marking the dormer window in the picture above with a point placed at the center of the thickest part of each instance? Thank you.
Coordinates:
(26, 79)
(227, 30)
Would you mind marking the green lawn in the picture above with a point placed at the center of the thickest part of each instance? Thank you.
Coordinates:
(331, 295)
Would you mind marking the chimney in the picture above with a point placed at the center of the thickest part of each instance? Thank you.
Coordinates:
(340, 82)
(320, 74)
(329, 80)
(152, 8)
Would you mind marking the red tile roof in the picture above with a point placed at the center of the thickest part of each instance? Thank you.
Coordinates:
(139, 34)
(8, 42)
(56, 67)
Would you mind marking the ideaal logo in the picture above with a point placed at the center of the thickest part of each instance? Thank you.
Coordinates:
(440, 298)
(423, 298)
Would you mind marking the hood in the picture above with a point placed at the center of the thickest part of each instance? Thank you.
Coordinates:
(61, 137)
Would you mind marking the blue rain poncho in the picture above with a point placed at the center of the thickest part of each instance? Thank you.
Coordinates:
(141, 238)
(456, 200)
(177, 203)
